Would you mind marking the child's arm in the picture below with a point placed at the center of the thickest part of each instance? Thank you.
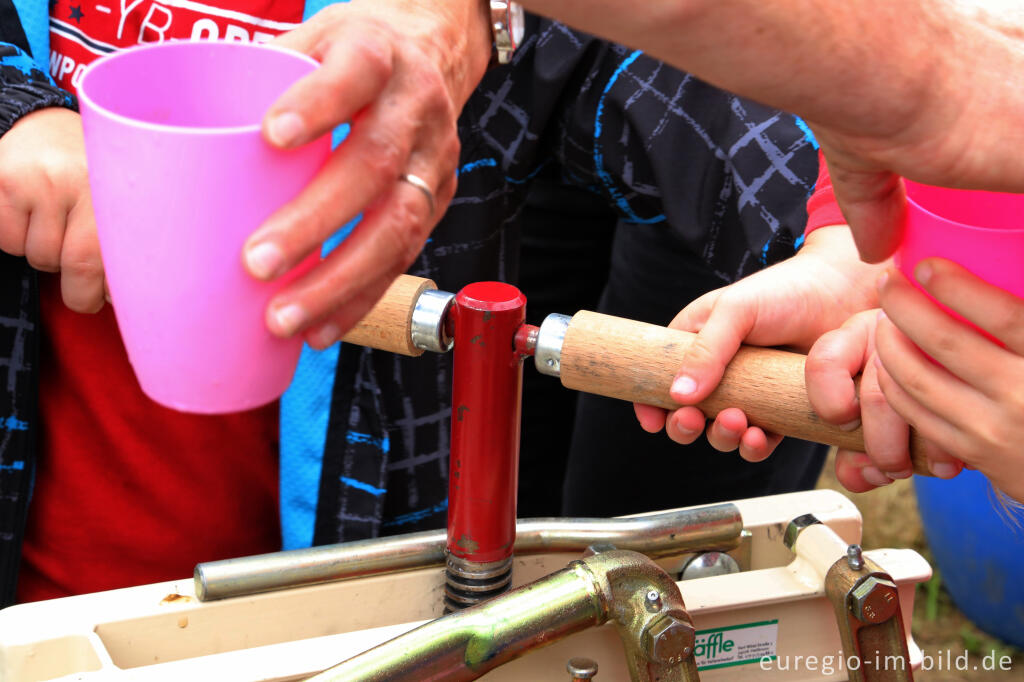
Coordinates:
(45, 207)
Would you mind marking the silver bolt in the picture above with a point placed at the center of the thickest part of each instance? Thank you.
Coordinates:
(581, 668)
(854, 557)
(653, 601)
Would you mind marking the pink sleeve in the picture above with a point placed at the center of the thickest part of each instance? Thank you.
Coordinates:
(822, 208)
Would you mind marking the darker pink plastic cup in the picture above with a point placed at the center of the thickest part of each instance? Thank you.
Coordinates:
(982, 231)
(180, 177)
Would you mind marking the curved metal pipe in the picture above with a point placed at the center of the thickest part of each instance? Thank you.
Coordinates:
(712, 527)
(624, 587)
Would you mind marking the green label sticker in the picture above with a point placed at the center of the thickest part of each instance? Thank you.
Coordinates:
(736, 644)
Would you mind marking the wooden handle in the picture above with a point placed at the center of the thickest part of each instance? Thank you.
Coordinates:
(388, 325)
(635, 361)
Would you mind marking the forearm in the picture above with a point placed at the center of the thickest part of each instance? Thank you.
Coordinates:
(773, 51)
(854, 281)
(871, 69)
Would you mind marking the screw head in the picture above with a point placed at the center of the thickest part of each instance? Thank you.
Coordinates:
(874, 600)
(854, 557)
(581, 668)
(652, 601)
(667, 638)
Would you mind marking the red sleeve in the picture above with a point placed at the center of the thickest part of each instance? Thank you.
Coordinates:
(822, 208)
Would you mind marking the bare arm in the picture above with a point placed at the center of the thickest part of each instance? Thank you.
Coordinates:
(920, 88)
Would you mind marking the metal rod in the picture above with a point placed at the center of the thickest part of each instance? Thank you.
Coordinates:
(678, 532)
(610, 586)
(557, 606)
(526, 339)
(487, 387)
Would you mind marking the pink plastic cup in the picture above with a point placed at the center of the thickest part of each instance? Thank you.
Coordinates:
(982, 231)
(180, 177)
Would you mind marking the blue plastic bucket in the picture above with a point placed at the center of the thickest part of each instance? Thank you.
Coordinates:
(979, 553)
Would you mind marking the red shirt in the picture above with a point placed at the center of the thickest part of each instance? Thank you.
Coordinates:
(822, 207)
(82, 31)
(128, 492)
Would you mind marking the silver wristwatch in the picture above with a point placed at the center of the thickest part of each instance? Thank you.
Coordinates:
(507, 26)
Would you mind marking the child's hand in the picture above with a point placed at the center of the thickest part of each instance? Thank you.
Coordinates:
(45, 206)
(969, 410)
(974, 403)
(790, 303)
(836, 358)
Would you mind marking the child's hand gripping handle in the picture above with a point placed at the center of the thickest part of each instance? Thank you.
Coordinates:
(635, 361)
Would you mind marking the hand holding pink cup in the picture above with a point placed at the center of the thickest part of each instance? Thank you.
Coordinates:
(982, 231)
(180, 177)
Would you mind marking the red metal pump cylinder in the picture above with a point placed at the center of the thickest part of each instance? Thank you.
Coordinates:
(487, 385)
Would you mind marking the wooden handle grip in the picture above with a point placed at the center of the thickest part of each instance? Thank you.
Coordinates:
(388, 325)
(635, 361)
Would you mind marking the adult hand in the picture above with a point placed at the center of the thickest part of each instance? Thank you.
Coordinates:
(399, 71)
(791, 304)
(45, 205)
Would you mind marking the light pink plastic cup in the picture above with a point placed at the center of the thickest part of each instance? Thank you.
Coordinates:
(180, 177)
(982, 231)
